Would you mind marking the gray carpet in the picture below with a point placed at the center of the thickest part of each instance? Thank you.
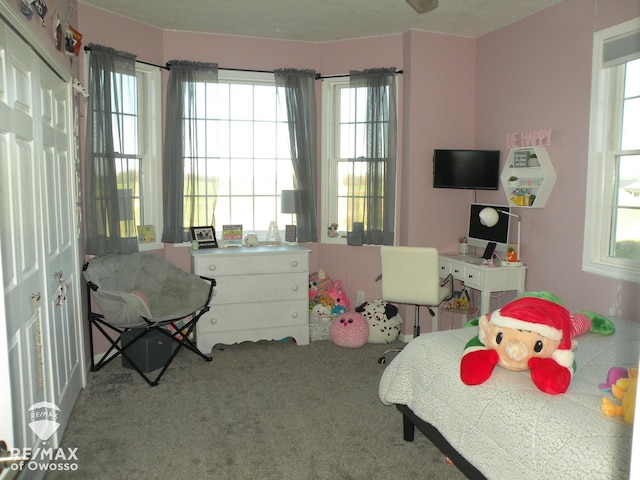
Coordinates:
(259, 410)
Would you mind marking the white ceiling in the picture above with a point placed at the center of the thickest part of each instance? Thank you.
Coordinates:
(322, 20)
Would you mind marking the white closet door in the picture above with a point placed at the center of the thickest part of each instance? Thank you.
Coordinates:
(38, 239)
(63, 329)
(22, 263)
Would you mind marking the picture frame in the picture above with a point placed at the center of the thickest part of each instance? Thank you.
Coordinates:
(205, 236)
(521, 158)
(232, 235)
(146, 234)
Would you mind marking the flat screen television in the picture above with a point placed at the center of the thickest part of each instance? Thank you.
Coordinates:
(480, 235)
(466, 169)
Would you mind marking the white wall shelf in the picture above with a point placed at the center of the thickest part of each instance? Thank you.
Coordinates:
(535, 177)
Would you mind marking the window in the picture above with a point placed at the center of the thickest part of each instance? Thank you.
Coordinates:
(137, 160)
(346, 168)
(243, 154)
(123, 163)
(612, 223)
(148, 208)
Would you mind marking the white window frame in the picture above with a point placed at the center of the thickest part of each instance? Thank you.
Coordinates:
(330, 155)
(281, 219)
(601, 174)
(150, 135)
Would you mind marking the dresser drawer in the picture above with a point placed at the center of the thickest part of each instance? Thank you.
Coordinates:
(254, 316)
(261, 288)
(251, 264)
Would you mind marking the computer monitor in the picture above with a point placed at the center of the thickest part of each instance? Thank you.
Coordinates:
(480, 235)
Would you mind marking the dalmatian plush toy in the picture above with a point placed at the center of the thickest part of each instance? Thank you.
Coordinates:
(383, 319)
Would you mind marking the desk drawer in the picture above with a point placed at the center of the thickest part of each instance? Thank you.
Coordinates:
(473, 277)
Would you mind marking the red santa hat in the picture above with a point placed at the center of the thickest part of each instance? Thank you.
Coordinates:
(548, 318)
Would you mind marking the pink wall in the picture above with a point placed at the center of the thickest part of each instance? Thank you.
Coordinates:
(66, 10)
(455, 93)
(536, 74)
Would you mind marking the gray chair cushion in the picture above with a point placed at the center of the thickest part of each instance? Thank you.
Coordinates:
(135, 286)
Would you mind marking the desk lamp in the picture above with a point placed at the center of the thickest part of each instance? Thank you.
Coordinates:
(290, 203)
(489, 218)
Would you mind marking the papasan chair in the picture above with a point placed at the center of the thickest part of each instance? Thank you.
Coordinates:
(139, 294)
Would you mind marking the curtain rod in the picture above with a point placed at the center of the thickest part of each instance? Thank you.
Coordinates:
(320, 76)
(167, 66)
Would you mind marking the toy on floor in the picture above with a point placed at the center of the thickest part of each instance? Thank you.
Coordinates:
(349, 330)
(534, 332)
(339, 296)
(383, 318)
(624, 389)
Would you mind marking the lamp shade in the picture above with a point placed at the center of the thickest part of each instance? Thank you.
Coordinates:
(289, 201)
(489, 217)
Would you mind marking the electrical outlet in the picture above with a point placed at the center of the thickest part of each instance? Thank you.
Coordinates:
(360, 297)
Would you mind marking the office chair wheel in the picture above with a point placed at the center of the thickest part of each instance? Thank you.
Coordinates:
(382, 360)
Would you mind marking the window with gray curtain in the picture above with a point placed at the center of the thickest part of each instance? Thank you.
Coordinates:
(183, 174)
(111, 158)
(371, 207)
(298, 87)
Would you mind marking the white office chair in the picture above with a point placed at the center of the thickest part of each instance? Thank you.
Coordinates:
(411, 275)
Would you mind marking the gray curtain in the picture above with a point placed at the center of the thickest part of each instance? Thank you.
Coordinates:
(105, 142)
(374, 225)
(300, 98)
(182, 148)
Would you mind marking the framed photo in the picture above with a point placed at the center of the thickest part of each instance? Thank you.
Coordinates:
(521, 158)
(232, 235)
(205, 236)
(146, 234)
(290, 233)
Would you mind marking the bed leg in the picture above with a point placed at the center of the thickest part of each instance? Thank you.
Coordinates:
(408, 429)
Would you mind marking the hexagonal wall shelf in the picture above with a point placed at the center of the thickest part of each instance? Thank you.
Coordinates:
(528, 177)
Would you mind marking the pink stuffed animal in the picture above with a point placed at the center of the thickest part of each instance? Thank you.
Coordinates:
(339, 296)
(349, 330)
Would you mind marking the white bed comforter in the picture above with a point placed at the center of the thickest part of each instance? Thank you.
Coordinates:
(506, 427)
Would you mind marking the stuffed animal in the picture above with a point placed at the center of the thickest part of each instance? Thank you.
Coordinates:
(615, 374)
(624, 389)
(534, 332)
(349, 330)
(383, 318)
(318, 283)
(339, 296)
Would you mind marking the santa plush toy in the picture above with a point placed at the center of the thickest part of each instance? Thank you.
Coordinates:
(533, 333)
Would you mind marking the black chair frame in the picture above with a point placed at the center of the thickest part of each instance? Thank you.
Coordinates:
(180, 335)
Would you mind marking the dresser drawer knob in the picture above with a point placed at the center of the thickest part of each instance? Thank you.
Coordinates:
(294, 315)
(214, 320)
(294, 263)
(295, 288)
(212, 267)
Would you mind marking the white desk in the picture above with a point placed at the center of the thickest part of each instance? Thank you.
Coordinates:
(486, 279)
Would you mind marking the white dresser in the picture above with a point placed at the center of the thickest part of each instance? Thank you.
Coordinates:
(261, 294)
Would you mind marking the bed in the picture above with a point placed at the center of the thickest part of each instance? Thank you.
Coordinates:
(506, 428)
